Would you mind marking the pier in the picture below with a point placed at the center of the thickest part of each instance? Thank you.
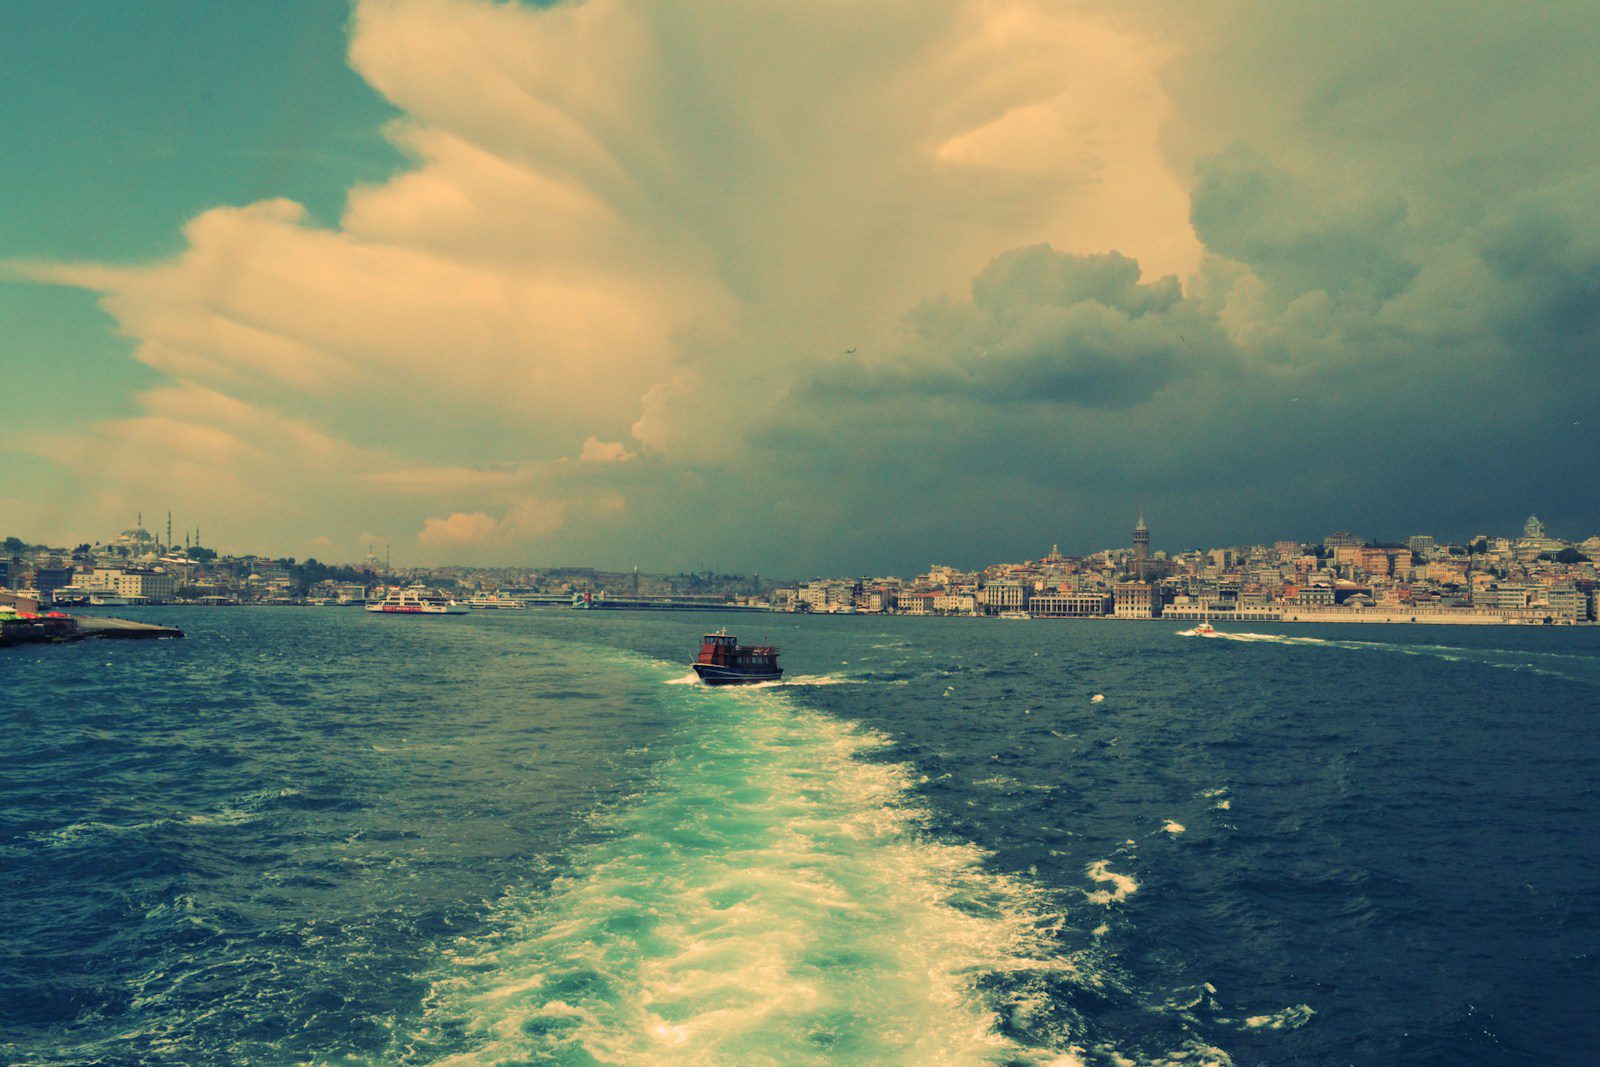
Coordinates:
(45, 630)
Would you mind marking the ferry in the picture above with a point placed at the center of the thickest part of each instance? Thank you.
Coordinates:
(416, 602)
(723, 661)
(494, 602)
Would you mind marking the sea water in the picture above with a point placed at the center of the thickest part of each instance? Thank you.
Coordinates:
(319, 835)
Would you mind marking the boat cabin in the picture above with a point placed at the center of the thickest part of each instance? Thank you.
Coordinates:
(722, 649)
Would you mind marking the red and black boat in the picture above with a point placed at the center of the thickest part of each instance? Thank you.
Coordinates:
(724, 661)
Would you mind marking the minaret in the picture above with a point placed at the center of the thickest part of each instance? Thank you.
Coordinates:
(169, 528)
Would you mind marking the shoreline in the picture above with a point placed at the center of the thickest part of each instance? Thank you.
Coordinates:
(1190, 616)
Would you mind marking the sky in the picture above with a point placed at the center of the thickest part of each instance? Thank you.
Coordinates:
(799, 288)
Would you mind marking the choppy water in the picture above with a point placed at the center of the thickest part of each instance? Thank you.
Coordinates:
(324, 836)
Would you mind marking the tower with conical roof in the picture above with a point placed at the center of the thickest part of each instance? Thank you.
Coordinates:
(1141, 538)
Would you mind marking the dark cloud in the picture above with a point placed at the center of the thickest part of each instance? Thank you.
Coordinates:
(1332, 365)
(1043, 327)
(1296, 236)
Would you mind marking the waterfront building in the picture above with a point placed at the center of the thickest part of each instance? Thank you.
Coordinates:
(1567, 602)
(51, 577)
(1253, 597)
(1313, 596)
(129, 582)
(1511, 597)
(1069, 605)
(1135, 600)
(1004, 594)
(956, 603)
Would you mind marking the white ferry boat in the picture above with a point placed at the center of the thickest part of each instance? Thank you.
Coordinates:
(416, 602)
(493, 602)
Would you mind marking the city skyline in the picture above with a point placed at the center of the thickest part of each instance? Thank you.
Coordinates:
(504, 283)
(1140, 546)
(1530, 578)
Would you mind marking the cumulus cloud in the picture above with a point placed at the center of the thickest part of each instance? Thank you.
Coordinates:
(598, 451)
(458, 530)
(478, 537)
(1044, 327)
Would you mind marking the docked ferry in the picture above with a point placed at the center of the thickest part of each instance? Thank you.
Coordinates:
(416, 602)
(723, 661)
(494, 602)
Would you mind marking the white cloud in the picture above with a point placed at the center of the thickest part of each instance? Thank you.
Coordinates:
(459, 530)
(628, 227)
(598, 451)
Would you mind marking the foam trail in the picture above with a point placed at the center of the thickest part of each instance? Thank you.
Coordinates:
(769, 900)
(1504, 659)
(800, 679)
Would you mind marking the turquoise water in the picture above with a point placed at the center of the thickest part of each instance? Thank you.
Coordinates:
(324, 836)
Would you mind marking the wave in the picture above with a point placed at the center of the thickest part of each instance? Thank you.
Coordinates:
(1291, 1018)
(245, 809)
(1122, 885)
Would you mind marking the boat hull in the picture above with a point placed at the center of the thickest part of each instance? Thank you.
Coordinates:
(412, 609)
(712, 674)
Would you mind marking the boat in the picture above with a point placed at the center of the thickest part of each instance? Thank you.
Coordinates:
(724, 661)
(416, 602)
(494, 602)
(1013, 615)
(1203, 629)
